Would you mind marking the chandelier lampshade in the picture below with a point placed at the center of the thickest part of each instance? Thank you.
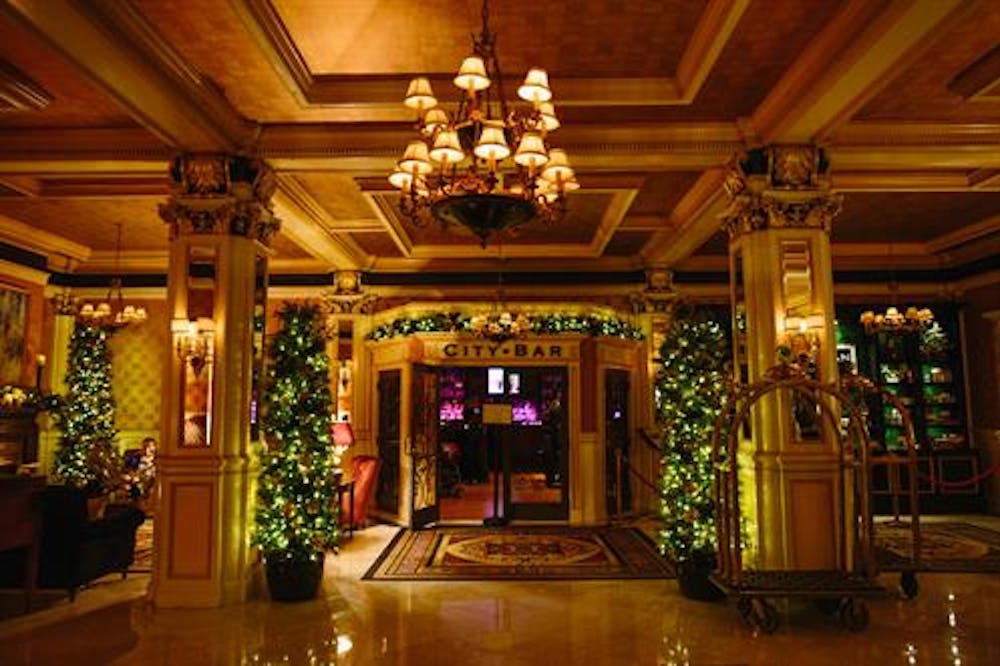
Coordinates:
(535, 88)
(112, 312)
(478, 165)
(419, 94)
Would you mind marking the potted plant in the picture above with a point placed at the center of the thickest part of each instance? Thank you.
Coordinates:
(86, 456)
(690, 388)
(296, 514)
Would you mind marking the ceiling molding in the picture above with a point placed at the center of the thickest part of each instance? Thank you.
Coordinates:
(966, 235)
(902, 181)
(855, 56)
(56, 248)
(714, 28)
(693, 221)
(116, 48)
(18, 92)
(894, 133)
(130, 261)
(307, 224)
(520, 264)
(14, 271)
(611, 219)
(712, 32)
(391, 222)
(978, 81)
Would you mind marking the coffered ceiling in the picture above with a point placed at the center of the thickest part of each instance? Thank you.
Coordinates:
(655, 98)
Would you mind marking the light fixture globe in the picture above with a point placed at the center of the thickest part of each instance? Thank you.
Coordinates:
(485, 214)
(479, 166)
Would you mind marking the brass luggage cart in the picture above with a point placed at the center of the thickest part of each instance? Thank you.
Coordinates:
(842, 590)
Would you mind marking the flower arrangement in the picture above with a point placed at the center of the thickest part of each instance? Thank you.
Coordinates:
(17, 398)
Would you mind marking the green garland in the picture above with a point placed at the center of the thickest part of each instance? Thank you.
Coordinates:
(550, 324)
(296, 515)
(86, 456)
(690, 389)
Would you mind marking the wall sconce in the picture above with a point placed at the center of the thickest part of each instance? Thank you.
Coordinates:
(194, 341)
(802, 335)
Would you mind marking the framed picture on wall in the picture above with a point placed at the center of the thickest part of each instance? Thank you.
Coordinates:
(13, 330)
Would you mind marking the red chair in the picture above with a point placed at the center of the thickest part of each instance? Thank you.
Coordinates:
(364, 474)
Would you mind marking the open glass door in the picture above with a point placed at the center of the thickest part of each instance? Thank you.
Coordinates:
(423, 447)
(387, 491)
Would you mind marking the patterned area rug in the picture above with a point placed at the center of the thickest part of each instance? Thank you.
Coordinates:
(519, 553)
(143, 562)
(945, 546)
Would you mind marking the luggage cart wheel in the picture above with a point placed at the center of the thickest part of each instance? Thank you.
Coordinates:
(908, 584)
(854, 614)
(827, 606)
(764, 617)
(745, 609)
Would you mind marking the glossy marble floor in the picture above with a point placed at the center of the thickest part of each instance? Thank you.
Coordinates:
(955, 621)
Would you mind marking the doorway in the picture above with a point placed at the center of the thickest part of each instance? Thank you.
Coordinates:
(503, 445)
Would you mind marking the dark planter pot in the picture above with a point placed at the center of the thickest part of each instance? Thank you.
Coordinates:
(293, 581)
(692, 578)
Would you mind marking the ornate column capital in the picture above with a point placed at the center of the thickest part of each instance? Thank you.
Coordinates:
(348, 294)
(219, 194)
(780, 186)
(659, 294)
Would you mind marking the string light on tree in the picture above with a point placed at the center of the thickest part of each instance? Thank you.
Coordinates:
(86, 456)
(690, 388)
(296, 517)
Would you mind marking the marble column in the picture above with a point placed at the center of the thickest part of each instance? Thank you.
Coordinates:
(221, 224)
(779, 217)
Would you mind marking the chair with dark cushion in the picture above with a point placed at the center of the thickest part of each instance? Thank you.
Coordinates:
(364, 473)
(76, 550)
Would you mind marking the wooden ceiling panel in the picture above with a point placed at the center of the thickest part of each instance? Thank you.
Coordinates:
(627, 243)
(377, 244)
(91, 222)
(921, 92)
(286, 248)
(605, 39)
(716, 245)
(767, 40)
(213, 38)
(910, 216)
(661, 191)
(76, 102)
(339, 195)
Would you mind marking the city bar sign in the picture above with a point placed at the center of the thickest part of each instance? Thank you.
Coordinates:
(503, 352)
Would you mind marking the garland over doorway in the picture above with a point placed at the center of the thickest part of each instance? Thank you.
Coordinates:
(546, 324)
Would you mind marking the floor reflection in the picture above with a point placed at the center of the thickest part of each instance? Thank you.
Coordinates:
(955, 620)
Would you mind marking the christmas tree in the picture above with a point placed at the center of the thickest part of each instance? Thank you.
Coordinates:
(86, 456)
(690, 388)
(296, 516)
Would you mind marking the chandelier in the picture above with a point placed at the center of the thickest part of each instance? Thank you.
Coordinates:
(112, 312)
(457, 171)
(911, 320)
